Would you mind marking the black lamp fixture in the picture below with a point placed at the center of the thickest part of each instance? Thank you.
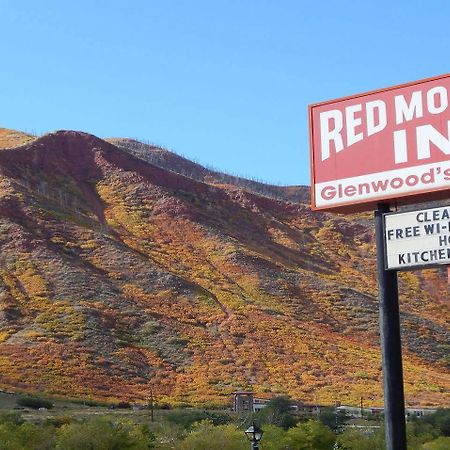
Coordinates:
(254, 433)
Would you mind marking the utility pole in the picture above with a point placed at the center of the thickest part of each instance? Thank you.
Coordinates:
(336, 423)
(151, 402)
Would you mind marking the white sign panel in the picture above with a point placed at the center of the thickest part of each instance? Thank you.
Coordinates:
(417, 239)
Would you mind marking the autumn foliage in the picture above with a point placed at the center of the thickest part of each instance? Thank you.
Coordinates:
(118, 277)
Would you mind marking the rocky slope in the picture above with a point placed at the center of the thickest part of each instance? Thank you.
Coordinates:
(117, 276)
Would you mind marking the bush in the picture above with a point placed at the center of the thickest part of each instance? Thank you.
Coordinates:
(11, 417)
(274, 438)
(120, 405)
(29, 401)
(26, 436)
(311, 435)
(440, 419)
(418, 432)
(205, 436)
(58, 422)
(101, 433)
(442, 443)
(352, 439)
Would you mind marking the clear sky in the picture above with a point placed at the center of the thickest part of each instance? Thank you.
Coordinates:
(224, 82)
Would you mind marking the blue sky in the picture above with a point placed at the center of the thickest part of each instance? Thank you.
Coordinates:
(226, 83)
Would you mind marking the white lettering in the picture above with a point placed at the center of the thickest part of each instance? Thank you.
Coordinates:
(400, 147)
(441, 92)
(328, 134)
(405, 112)
(426, 135)
(380, 107)
(351, 123)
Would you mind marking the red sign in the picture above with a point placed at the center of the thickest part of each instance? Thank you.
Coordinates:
(391, 145)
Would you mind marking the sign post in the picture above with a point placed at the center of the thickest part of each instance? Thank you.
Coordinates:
(391, 348)
(381, 148)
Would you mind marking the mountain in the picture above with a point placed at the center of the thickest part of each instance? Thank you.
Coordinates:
(171, 161)
(118, 275)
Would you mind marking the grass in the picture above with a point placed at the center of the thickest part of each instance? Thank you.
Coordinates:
(75, 409)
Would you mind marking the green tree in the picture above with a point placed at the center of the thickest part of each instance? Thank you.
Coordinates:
(334, 418)
(103, 434)
(440, 419)
(418, 432)
(206, 436)
(311, 435)
(277, 412)
(274, 438)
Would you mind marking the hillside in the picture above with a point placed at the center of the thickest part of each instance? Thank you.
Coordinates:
(117, 275)
(168, 160)
(13, 138)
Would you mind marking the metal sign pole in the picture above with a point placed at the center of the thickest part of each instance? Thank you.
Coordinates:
(391, 349)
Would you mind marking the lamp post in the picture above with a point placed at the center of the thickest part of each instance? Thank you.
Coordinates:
(254, 433)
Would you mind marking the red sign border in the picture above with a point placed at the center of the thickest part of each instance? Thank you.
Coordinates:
(371, 205)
